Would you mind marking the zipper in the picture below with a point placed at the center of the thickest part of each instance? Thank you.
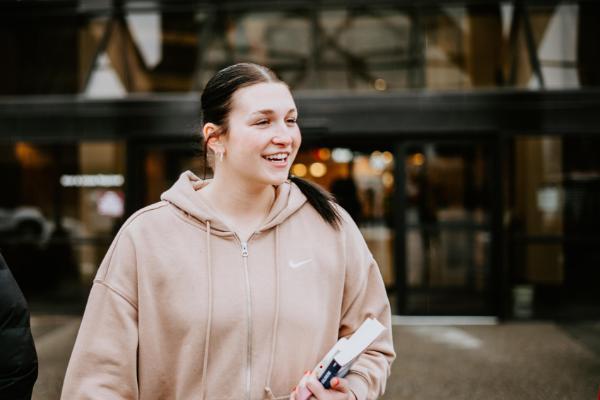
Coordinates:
(244, 246)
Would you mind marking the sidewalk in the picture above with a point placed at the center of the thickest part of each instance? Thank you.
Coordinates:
(533, 360)
(507, 361)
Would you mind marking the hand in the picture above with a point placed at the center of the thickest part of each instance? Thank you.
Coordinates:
(339, 390)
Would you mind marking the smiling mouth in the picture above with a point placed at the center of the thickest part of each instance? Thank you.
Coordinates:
(278, 158)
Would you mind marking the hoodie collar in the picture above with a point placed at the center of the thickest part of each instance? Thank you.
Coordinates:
(184, 195)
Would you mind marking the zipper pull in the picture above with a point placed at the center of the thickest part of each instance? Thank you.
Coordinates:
(244, 249)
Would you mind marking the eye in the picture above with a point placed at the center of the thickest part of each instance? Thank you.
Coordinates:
(262, 122)
(292, 120)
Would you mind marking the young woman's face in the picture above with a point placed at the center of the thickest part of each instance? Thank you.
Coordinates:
(263, 137)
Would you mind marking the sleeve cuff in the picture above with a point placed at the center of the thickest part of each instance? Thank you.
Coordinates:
(358, 386)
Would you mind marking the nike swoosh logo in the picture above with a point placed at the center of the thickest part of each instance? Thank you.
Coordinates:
(298, 264)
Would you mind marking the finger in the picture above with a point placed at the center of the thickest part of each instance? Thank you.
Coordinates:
(316, 387)
(297, 393)
(340, 385)
(302, 392)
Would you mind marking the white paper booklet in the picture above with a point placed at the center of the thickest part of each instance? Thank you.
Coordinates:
(339, 359)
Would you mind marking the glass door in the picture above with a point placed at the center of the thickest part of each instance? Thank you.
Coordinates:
(425, 211)
(447, 228)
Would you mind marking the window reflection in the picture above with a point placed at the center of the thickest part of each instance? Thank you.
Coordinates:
(368, 48)
(65, 204)
(556, 216)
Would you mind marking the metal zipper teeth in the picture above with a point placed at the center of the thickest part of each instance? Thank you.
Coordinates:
(244, 246)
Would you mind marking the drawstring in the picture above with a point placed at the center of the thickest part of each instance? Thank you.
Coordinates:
(210, 306)
(269, 393)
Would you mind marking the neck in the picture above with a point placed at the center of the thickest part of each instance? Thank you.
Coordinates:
(242, 204)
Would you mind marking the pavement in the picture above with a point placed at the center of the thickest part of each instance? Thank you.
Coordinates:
(514, 360)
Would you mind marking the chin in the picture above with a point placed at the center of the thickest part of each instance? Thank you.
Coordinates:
(275, 180)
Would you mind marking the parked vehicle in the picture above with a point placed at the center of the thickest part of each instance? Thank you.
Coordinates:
(26, 224)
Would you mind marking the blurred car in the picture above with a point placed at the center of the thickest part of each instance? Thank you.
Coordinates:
(26, 224)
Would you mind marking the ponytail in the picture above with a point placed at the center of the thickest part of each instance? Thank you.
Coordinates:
(321, 200)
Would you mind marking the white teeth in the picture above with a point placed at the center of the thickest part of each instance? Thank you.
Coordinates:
(277, 157)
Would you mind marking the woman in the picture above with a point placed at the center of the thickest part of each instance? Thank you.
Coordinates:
(230, 288)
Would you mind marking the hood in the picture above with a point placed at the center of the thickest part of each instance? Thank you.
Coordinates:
(184, 195)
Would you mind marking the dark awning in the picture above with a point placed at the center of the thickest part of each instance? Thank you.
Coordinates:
(66, 118)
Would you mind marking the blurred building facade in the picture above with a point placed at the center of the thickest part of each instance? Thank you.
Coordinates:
(463, 137)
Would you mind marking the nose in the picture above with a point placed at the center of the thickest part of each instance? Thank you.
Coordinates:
(282, 138)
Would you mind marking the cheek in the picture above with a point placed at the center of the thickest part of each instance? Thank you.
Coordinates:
(297, 137)
(243, 142)
(297, 141)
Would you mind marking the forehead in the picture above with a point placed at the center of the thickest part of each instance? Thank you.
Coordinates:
(262, 96)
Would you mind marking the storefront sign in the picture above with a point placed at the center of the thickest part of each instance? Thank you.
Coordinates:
(99, 180)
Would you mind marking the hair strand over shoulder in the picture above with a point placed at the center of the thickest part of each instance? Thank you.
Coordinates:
(321, 200)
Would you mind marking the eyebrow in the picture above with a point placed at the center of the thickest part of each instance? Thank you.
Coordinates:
(271, 112)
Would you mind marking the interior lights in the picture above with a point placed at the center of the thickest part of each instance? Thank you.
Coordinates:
(388, 157)
(341, 155)
(324, 154)
(387, 178)
(29, 156)
(417, 159)
(318, 169)
(299, 170)
(377, 161)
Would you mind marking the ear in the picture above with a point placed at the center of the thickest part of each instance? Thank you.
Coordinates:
(211, 135)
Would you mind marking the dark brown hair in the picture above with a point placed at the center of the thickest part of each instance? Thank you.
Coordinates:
(216, 105)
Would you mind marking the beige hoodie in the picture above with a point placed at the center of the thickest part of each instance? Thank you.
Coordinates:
(181, 309)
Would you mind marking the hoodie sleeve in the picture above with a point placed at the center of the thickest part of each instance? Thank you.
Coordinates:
(364, 297)
(103, 363)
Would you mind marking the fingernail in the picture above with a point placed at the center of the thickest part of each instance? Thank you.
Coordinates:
(335, 382)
